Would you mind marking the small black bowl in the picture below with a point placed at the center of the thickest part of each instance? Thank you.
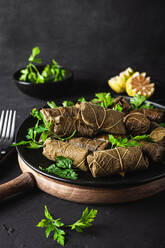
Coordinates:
(45, 90)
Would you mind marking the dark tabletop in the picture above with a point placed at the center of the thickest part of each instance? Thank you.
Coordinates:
(97, 39)
(139, 224)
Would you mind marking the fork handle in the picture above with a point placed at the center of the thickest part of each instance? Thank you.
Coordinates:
(19, 184)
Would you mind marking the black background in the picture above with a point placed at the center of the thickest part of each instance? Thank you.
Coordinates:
(97, 39)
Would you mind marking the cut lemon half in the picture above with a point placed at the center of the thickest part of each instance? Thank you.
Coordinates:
(118, 83)
(139, 84)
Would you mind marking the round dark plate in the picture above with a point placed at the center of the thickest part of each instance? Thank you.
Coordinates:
(34, 159)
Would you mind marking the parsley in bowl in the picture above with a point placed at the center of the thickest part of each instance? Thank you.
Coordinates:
(42, 80)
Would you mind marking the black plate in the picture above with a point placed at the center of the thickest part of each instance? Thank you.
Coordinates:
(34, 159)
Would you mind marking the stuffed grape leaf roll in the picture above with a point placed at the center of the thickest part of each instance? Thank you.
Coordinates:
(117, 160)
(101, 119)
(53, 148)
(89, 144)
(137, 123)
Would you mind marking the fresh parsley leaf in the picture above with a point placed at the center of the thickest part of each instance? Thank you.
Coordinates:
(103, 99)
(52, 104)
(59, 73)
(35, 52)
(24, 74)
(122, 142)
(137, 100)
(118, 107)
(147, 105)
(53, 225)
(34, 145)
(85, 221)
(30, 134)
(81, 99)
(22, 142)
(46, 73)
(31, 144)
(132, 143)
(67, 103)
(144, 137)
(44, 136)
(64, 173)
(112, 140)
(63, 162)
(36, 113)
(39, 78)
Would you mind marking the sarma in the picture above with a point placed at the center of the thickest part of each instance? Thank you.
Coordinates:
(101, 119)
(151, 114)
(154, 151)
(114, 161)
(158, 135)
(65, 126)
(53, 148)
(137, 123)
(89, 144)
(51, 113)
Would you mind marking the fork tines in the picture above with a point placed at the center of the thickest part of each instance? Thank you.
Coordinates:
(7, 125)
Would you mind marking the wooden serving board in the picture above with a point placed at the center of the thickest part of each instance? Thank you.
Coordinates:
(93, 195)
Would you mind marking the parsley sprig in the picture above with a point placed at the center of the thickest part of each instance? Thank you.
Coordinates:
(52, 104)
(62, 168)
(125, 142)
(51, 72)
(85, 221)
(57, 227)
(53, 225)
(103, 99)
(81, 99)
(68, 103)
(121, 142)
(138, 101)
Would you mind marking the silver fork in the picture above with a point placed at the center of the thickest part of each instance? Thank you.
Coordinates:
(7, 130)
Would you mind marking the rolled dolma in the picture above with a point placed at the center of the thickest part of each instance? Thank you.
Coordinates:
(154, 151)
(117, 160)
(54, 148)
(60, 111)
(123, 103)
(89, 144)
(65, 126)
(151, 114)
(137, 123)
(158, 135)
(101, 119)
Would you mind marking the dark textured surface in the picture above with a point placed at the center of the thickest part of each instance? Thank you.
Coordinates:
(96, 39)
